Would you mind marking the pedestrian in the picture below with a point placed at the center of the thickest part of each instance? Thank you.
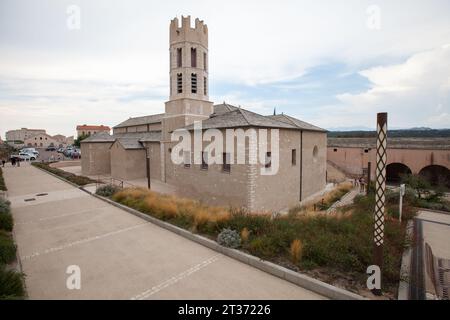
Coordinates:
(13, 161)
(3, 162)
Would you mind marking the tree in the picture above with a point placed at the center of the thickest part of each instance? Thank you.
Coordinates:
(418, 183)
(79, 139)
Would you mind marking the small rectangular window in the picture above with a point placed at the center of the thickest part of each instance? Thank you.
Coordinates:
(179, 82)
(205, 86)
(194, 83)
(366, 150)
(294, 157)
(205, 61)
(204, 165)
(268, 159)
(179, 57)
(334, 150)
(193, 58)
(226, 162)
(187, 159)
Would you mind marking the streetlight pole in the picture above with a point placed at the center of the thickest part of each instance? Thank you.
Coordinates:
(380, 190)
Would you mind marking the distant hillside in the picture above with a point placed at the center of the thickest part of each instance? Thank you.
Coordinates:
(404, 133)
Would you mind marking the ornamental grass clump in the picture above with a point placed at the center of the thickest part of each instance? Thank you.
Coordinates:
(296, 251)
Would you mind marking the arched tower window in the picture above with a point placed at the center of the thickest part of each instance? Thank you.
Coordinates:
(179, 82)
(179, 57)
(205, 62)
(194, 83)
(193, 57)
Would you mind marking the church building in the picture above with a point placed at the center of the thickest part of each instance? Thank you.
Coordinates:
(142, 147)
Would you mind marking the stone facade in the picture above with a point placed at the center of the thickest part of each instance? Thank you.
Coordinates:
(41, 140)
(414, 155)
(22, 134)
(87, 130)
(142, 141)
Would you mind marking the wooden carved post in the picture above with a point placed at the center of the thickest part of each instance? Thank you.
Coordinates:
(380, 188)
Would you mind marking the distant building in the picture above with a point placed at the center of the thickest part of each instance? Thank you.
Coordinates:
(63, 140)
(22, 134)
(41, 140)
(87, 130)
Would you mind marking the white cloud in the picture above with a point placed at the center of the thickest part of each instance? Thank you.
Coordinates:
(416, 92)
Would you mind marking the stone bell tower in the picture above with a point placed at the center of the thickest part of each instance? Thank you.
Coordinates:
(189, 90)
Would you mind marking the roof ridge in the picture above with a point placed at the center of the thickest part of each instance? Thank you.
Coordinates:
(289, 118)
(243, 115)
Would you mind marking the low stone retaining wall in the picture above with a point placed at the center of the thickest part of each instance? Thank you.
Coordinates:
(62, 164)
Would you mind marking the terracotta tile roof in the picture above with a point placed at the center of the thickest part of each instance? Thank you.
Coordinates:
(89, 127)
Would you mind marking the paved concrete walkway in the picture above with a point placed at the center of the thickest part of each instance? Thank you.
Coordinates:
(347, 199)
(120, 255)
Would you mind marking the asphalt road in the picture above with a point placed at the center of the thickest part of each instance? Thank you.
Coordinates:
(119, 256)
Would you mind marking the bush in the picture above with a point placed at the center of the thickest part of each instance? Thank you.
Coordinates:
(245, 234)
(11, 284)
(296, 251)
(7, 248)
(2, 181)
(229, 238)
(107, 191)
(6, 221)
(5, 206)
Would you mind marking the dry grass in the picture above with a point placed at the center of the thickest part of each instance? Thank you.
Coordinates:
(169, 207)
(245, 234)
(296, 250)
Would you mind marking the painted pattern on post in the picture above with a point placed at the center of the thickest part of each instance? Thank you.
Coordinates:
(380, 178)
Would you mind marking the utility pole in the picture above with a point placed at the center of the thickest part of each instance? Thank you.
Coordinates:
(380, 190)
(147, 158)
(369, 168)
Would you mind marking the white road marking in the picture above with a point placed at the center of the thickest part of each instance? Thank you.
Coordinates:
(175, 279)
(60, 216)
(71, 244)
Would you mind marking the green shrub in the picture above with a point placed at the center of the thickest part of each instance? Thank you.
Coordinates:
(7, 248)
(5, 206)
(2, 182)
(107, 190)
(11, 284)
(6, 221)
(229, 238)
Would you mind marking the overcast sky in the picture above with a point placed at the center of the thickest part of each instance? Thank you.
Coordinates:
(332, 63)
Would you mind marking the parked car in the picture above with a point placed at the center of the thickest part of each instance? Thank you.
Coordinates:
(30, 151)
(24, 156)
(60, 150)
(50, 148)
(68, 152)
(75, 154)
